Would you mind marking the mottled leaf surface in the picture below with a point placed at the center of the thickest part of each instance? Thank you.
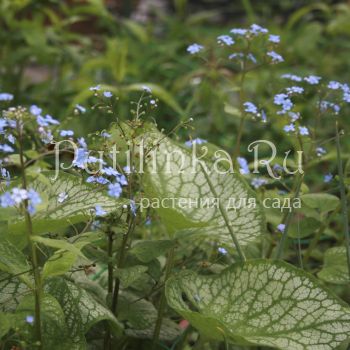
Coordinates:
(262, 302)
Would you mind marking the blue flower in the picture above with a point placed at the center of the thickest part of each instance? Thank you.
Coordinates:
(62, 197)
(244, 168)
(122, 180)
(222, 251)
(107, 94)
(97, 179)
(110, 171)
(328, 178)
(6, 97)
(146, 88)
(276, 58)
(19, 194)
(346, 97)
(326, 105)
(30, 319)
(10, 138)
(80, 158)
(239, 31)
(99, 211)
(284, 101)
(274, 38)
(64, 133)
(289, 128)
(293, 116)
(281, 227)
(291, 77)
(6, 148)
(303, 130)
(3, 125)
(80, 108)
(195, 48)
(105, 134)
(115, 190)
(312, 79)
(46, 121)
(225, 40)
(81, 142)
(250, 108)
(95, 88)
(34, 200)
(295, 90)
(320, 151)
(35, 110)
(196, 141)
(258, 182)
(256, 29)
(334, 85)
(6, 200)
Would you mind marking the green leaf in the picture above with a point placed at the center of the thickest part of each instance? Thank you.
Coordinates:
(54, 328)
(324, 202)
(304, 228)
(146, 251)
(335, 269)
(81, 310)
(176, 176)
(263, 303)
(141, 317)
(13, 261)
(59, 263)
(128, 275)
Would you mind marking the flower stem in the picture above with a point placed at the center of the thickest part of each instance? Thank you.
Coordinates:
(344, 206)
(32, 247)
(162, 302)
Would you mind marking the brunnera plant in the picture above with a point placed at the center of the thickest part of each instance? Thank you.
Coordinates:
(85, 264)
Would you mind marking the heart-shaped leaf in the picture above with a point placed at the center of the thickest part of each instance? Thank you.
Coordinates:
(262, 302)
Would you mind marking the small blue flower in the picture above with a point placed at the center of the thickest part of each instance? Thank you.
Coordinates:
(97, 179)
(250, 108)
(256, 29)
(276, 58)
(281, 227)
(99, 211)
(95, 88)
(147, 89)
(303, 130)
(243, 163)
(3, 125)
(115, 190)
(326, 105)
(80, 158)
(320, 151)
(222, 251)
(312, 79)
(35, 110)
(291, 77)
(82, 142)
(346, 97)
(239, 31)
(80, 108)
(295, 90)
(34, 200)
(274, 38)
(284, 101)
(195, 48)
(62, 197)
(196, 141)
(6, 200)
(30, 319)
(328, 178)
(289, 128)
(46, 121)
(105, 134)
(258, 182)
(64, 133)
(334, 85)
(19, 194)
(10, 138)
(293, 116)
(107, 94)
(6, 148)
(6, 97)
(109, 171)
(122, 180)
(225, 40)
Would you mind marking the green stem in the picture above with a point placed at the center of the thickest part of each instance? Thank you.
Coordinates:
(288, 219)
(224, 215)
(162, 302)
(343, 199)
(32, 247)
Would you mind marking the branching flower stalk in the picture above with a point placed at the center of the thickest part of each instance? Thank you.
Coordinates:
(32, 247)
(344, 206)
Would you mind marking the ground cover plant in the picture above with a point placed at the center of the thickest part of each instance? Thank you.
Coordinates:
(199, 203)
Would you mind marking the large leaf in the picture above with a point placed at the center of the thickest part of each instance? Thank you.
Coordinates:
(179, 178)
(81, 310)
(13, 261)
(262, 302)
(54, 329)
(146, 251)
(335, 269)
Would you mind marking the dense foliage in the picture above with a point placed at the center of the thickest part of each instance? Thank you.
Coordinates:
(177, 183)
